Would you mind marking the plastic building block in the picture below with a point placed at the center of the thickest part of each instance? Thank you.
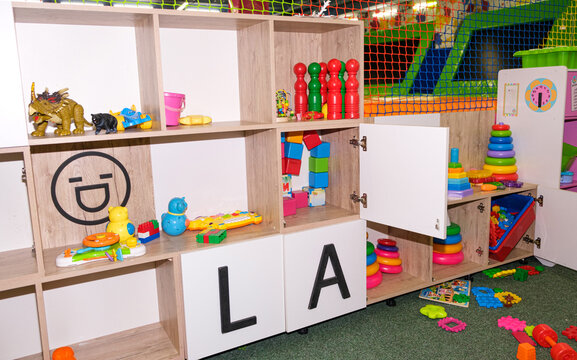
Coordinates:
(461, 298)
(530, 269)
(491, 272)
(282, 137)
(148, 231)
(480, 290)
(486, 298)
(508, 298)
(522, 337)
(211, 236)
(291, 166)
(311, 139)
(318, 165)
(317, 197)
(282, 150)
(570, 332)
(286, 185)
(459, 325)
(322, 151)
(526, 351)
(511, 323)
(521, 275)
(302, 198)
(433, 311)
(295, 137)
(505, 273)
(293, 150)
(289, 206)
(318, 180)
(529, 330)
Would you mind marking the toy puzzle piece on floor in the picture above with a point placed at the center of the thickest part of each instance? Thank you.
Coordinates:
(225, 221)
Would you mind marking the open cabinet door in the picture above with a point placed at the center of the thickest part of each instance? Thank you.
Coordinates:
(556, 226)
(404, 174)
(532, 102)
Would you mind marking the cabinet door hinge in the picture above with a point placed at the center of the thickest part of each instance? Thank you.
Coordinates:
(539, 200)
(23, 174)
(362, 143)
(481, 208)
(362, 199)
(536, 241)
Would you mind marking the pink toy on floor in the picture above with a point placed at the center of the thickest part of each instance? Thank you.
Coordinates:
(511, 323)
(443, 323)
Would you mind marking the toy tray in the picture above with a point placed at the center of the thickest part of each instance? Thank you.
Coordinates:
(554, 56)
(526, 216)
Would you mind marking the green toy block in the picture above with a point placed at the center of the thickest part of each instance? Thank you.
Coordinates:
(318, 165)
(491, 272)
(211, 236)
(521, 275)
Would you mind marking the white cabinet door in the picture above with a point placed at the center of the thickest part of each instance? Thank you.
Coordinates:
(233, 295)
(404, 174)
(325, 273)
(556, 226)
(12, 111)
(532, 102)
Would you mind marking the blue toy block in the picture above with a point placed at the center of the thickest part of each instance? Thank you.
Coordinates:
(459, 187)
(293, 150)
(321, 151)
(282, 137)
(318, 180)
(459, 181)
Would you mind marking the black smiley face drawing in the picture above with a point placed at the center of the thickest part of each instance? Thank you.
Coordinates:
(92, 189)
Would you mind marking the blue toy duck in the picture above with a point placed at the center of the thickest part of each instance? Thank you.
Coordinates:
(174, 221)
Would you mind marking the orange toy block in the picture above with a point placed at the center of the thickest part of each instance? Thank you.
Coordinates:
(294, 137)
(526, 351)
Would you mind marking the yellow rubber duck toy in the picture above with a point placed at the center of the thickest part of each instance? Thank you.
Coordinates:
(121, 225)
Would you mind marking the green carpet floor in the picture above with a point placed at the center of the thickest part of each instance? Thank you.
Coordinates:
(401, 332)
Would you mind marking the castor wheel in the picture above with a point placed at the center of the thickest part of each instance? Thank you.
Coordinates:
(546, 337)
(303, 331)
(391, 302)
(469, 277)
(524, 261)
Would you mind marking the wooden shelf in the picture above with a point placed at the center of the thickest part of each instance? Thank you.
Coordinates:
(478, 194)
(313, 217)
(394, 285)
(18, 268)
(442, 273)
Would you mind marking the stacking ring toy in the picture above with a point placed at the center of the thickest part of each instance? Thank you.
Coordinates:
(500, 140)
(374, 280)
(371, 258)
(450, 240)
(390, 261)
(506, 177)
(511, 169)
(448, 259)
(372, 269)
(500, 127)
(501, 154)
(453, 229)
(387, 248)
(501, 133)
(387, 242)
(448, 249)
(370, 247)
(386, 254)
(101, 239)
(500, 161)
(501, 147)
(391, 269)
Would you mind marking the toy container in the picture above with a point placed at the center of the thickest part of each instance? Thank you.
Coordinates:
(174, 103)
(552, 56)
(566, 177)
(514, 203)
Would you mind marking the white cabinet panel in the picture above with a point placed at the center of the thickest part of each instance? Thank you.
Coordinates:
(404, 174)
(325, 273)
(233, 295)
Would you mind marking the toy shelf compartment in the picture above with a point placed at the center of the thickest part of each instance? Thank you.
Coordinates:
(415, 253)
(343, 179)
(124, 294)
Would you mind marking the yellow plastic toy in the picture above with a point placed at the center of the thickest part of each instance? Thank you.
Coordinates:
(195, 120)
(121, 225)
(225, 221)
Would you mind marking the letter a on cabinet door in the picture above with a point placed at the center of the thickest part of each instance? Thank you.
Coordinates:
(325, 273)
(233, 295)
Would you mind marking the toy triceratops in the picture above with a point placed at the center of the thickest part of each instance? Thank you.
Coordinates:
(58, 109)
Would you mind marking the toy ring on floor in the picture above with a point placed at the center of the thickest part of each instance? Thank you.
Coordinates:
(451, 239)
(511, 169)
(501, 133)
(501, 127)
(390, 261)
(372, 269)
(370, 247)
(501, 147)
(501, 154)
(371, 258)
(506, 177)
(500, 161)
(500, 140)
(387, 242)
(448, 248)
(391, 269)
(453, 229)
(374, 280)
(444, 324)
(386, 254)
(448, 259)
(101, 239)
